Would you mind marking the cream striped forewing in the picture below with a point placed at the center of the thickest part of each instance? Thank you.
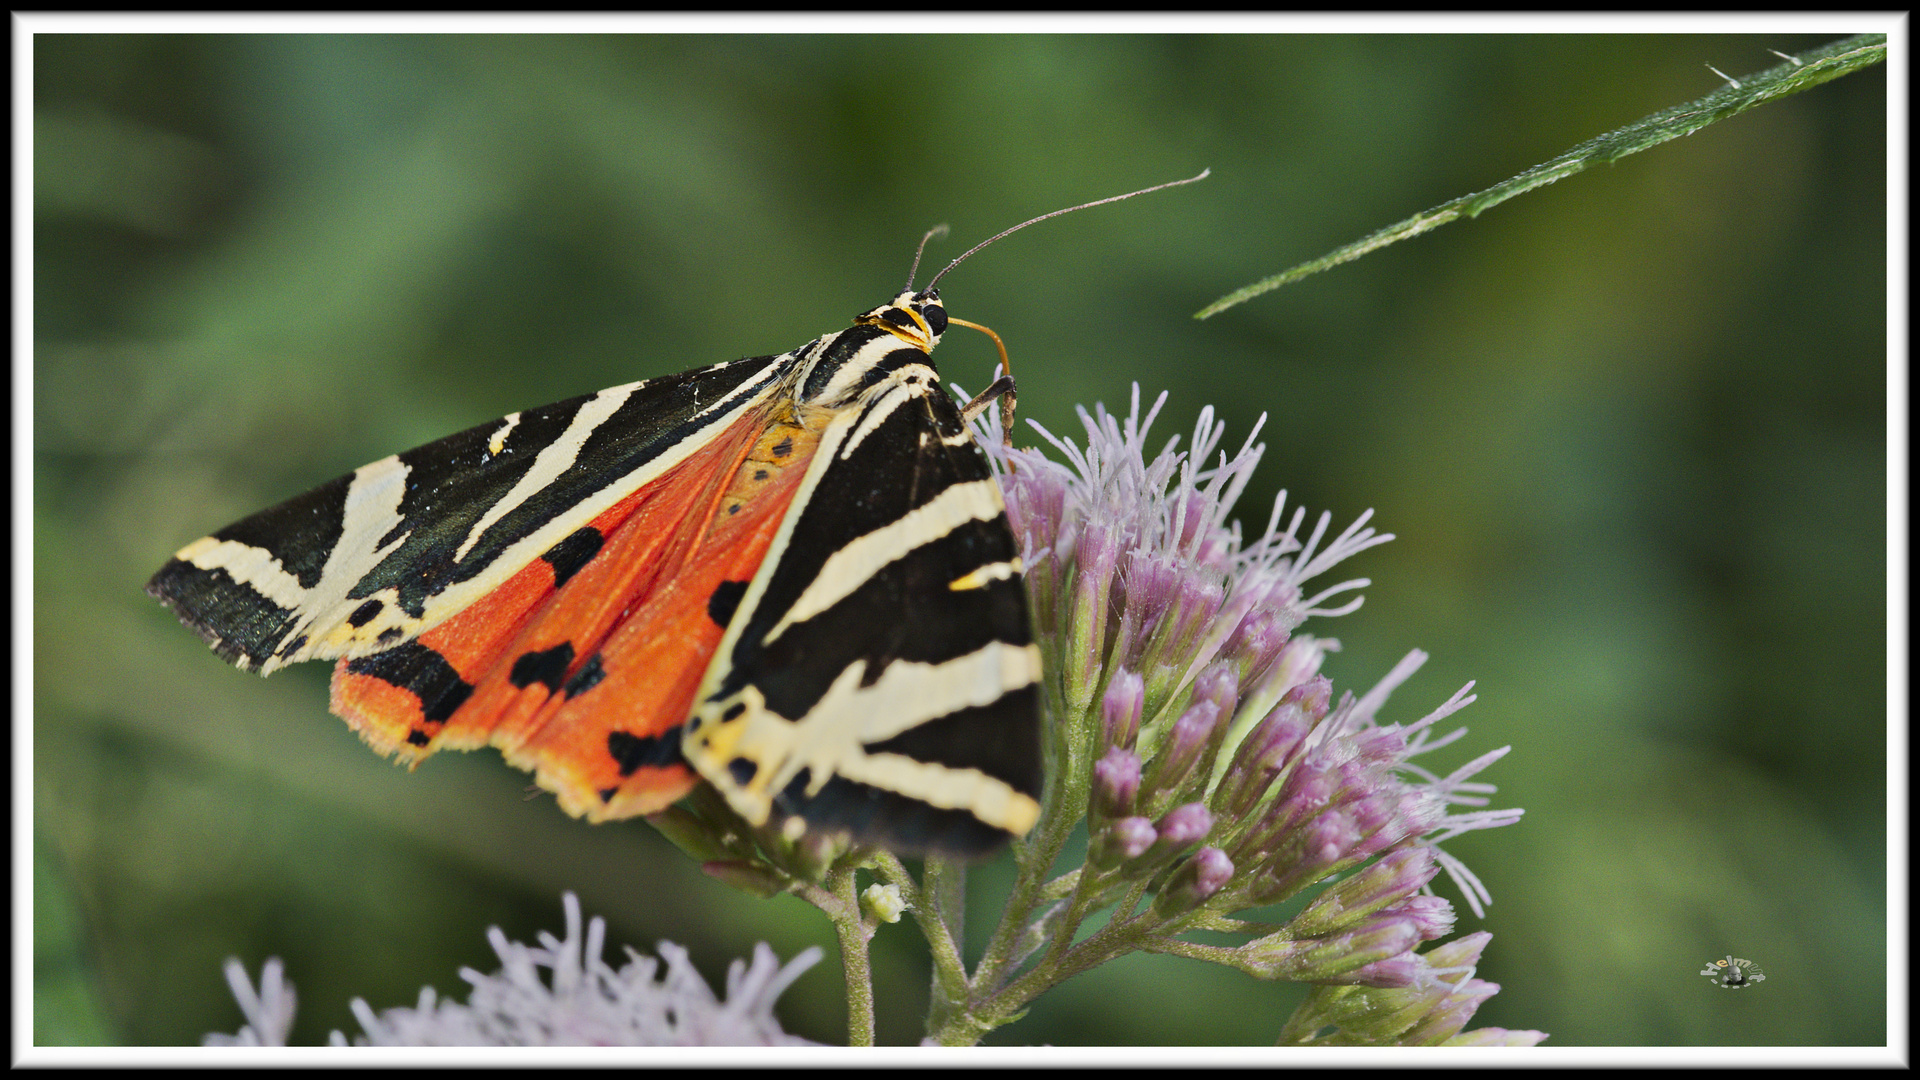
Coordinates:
(377, 557)
(879, 675)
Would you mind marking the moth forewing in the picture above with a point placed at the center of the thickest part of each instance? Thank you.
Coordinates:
(376, 558)
(878, 676)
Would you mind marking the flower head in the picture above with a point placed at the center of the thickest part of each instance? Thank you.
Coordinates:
(1430, 998)
(582, 1001)
(1216, 765)
(1175, 673)
(1137, 570)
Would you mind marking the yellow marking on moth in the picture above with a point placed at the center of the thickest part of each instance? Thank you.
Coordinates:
(498, 440)
(987, 575)
(859, 559)
(920, 336)
(720, 738)
(343, 636)
(799, 431)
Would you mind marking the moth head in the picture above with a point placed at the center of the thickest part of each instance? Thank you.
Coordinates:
(917, 318)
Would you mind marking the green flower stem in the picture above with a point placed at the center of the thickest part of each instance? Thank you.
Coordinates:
(1087, 895)
(1208, 919)
(1125, 932)
(1063, 805)
(938, 909)
(1031, 890)
(841, 903)
(946, 893)
(1214, 954)
(1061, 963)
(1028, 887)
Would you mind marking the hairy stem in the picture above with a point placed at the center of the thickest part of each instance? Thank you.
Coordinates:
(843, 909)
(941, 913)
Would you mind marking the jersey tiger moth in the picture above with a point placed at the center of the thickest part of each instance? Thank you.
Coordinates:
(789, 575)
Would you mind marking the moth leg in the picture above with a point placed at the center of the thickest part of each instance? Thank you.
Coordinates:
(1002, 389)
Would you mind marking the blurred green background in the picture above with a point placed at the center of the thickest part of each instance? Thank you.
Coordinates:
(1630, 431)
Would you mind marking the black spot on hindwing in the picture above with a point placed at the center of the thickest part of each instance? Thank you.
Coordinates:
(423, 672)
(569, 555)
(631, 752)
(587, 677)
(548, 666)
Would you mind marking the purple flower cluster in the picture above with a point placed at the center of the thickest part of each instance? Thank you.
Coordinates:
(1191, 721)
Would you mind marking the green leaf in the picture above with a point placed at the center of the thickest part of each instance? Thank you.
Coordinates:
(1798, 73)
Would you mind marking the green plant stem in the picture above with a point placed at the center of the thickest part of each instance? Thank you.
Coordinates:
(1086, 893)
(1061, 887)
(842, 906)
(945, 902)
(1063, 806)
(938, 909)
(1060, 963)
(1213, 954)
(1035, 858)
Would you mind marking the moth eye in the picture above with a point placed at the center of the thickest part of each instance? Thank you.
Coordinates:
(936, 317)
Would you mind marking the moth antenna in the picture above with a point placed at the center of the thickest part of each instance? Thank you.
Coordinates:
(1097, 202)
(937, 232)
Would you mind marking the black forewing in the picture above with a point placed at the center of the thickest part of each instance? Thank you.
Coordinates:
(451, 485)
(905, 611)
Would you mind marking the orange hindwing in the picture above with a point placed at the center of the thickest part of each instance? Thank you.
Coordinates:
(582, 667)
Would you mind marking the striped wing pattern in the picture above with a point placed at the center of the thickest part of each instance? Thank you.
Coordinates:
(394, 548)
(880, 677)
(790, 573)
